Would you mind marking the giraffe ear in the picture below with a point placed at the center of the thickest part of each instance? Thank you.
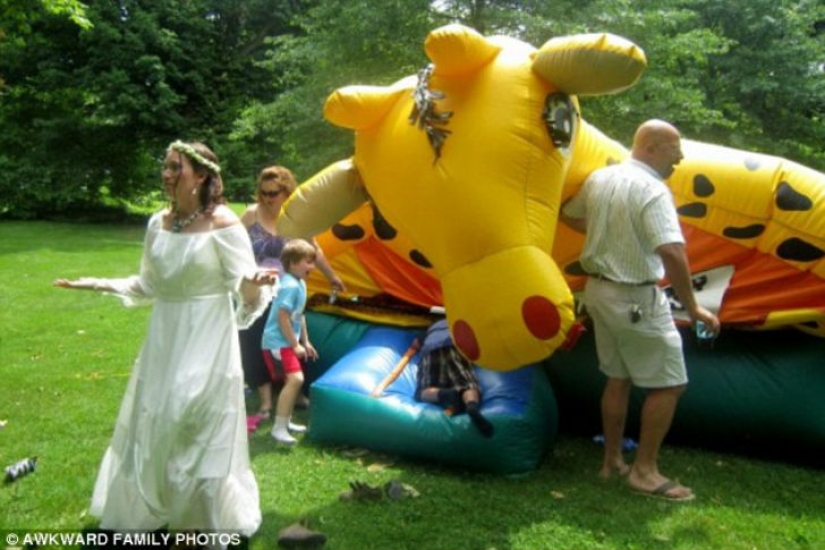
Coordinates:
(322, 201)
(590, 64)
(456, 50)
(360, 107)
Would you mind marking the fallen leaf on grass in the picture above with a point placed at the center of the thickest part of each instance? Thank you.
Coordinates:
(377, 467)
(354, 453)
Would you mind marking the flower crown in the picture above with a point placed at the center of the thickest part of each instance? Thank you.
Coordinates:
(190, 152)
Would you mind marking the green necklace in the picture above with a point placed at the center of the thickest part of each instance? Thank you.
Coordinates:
(179, 224)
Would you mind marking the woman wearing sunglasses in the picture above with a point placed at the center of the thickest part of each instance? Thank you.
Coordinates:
(274, 186)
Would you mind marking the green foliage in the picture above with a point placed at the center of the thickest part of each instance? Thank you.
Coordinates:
(678, 50)
(766, 83)
(73, 9)
(341, 42)
(91, 110)
(17, 15)
(531, 20)
(87, 109)
(737, 74)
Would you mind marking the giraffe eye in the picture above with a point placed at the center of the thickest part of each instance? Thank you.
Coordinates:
(560, 119)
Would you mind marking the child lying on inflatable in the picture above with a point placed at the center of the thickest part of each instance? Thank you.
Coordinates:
(447, 378)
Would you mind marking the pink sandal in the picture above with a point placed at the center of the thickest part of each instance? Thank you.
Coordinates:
(252, 423)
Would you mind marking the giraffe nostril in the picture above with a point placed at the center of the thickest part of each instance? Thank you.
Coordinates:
(541, 316)
(465, 340)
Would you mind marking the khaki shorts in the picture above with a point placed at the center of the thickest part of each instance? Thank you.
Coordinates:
(648, 352)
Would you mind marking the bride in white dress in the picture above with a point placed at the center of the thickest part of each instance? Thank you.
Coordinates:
(179, 456)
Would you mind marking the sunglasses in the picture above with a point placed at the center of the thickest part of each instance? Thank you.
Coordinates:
(273, 194)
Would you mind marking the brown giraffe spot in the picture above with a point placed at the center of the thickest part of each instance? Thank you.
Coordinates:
(693, 210)
(383, 229)
(797, 250)
(747, 232)
(789, 199)
(420, 259)
(702, 186)
(352, 232)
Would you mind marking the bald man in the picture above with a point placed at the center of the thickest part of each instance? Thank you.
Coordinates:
(632, 240)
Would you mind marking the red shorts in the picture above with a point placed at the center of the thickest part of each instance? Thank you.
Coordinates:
(288, 363)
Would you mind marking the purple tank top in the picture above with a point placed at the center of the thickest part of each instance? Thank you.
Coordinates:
(266, 246)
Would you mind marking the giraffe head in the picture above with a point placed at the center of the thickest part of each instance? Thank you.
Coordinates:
(467, 160)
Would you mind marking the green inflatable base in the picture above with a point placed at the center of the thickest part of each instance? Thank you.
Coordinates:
(343, 410)
(400, 427)
(756, 393)
(332, 336)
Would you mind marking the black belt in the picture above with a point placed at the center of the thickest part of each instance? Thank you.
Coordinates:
(601, 277)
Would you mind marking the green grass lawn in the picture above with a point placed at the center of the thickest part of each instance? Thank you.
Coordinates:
(65, 357)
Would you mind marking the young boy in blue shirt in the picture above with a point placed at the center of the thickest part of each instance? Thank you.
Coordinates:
(285, 335)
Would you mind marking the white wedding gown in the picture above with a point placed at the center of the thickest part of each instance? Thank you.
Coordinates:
(179, 455)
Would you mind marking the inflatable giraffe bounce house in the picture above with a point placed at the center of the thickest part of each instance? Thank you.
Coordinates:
(449, 206)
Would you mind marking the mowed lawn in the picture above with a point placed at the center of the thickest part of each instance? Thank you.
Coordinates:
(64, 361)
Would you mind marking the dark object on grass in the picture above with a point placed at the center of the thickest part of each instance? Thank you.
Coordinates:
(20, 469)
(362, 491)
(628, 444)
(397, 491)
(299, 536)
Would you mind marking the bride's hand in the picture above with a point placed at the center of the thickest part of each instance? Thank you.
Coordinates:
(265, 277)
(84, 283)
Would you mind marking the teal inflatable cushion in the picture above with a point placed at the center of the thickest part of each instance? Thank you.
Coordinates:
(332, 336)
(520, 404)
(756, 393)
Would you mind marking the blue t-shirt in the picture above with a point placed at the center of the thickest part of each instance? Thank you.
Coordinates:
(292, 296)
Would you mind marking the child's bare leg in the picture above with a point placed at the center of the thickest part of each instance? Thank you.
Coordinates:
(286, 403)
(289, 393)
(265, 395)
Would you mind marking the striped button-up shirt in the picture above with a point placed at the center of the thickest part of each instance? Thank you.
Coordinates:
(629, 212)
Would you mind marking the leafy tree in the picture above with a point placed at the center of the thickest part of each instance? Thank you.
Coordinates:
(768, 82)
(87, 111)
(526, 19)
(679, 50)
(341, 42)
(89, 95)
(736, 72)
